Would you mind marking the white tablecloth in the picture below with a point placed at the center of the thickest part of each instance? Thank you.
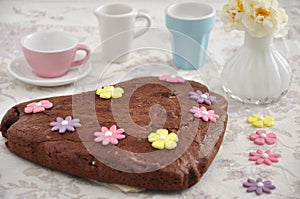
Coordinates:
(231, 167)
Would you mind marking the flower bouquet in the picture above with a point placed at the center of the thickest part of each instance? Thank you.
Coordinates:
(256, 73)
(259, 18)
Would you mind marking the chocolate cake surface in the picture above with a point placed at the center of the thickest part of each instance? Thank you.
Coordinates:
(147, 104)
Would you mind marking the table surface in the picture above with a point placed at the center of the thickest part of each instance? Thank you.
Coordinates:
(231, 167)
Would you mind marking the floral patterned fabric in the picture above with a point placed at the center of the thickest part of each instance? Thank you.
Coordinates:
(231, 167)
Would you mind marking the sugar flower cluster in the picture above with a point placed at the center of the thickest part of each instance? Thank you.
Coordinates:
(260, 137)
(259, 18)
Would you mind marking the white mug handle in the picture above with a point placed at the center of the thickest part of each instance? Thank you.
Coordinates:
(144, 30)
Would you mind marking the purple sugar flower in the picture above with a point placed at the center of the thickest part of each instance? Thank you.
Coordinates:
(203, 97)
(62, 125)
(258, 186)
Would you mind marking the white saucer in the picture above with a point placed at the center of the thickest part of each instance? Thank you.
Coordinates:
(20, 69)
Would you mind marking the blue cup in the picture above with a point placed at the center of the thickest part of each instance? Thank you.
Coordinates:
(190, 24)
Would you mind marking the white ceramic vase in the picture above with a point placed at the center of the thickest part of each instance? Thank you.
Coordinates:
(257, 73)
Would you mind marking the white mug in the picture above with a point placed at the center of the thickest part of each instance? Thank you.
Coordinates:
(116, 22)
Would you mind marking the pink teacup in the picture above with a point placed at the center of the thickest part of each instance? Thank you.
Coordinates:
(52, 53)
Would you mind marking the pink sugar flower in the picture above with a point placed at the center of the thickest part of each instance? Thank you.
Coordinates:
(266, 157)
(35, 107)
(109, 136)
(261, 137)
(204, 114)
(172, 78)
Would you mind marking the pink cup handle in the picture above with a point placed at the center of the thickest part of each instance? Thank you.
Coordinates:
(87, 55)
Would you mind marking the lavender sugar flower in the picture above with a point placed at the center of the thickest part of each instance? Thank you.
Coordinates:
(62, 125)
(203, 97)
(258, 186)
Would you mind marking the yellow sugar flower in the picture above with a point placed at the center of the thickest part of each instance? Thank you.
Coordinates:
(108, 92)
(161, 139)
(259, 121)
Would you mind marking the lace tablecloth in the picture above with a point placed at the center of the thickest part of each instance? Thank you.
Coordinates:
(231, 167)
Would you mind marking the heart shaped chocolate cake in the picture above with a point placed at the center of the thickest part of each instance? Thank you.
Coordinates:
(147, 132)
